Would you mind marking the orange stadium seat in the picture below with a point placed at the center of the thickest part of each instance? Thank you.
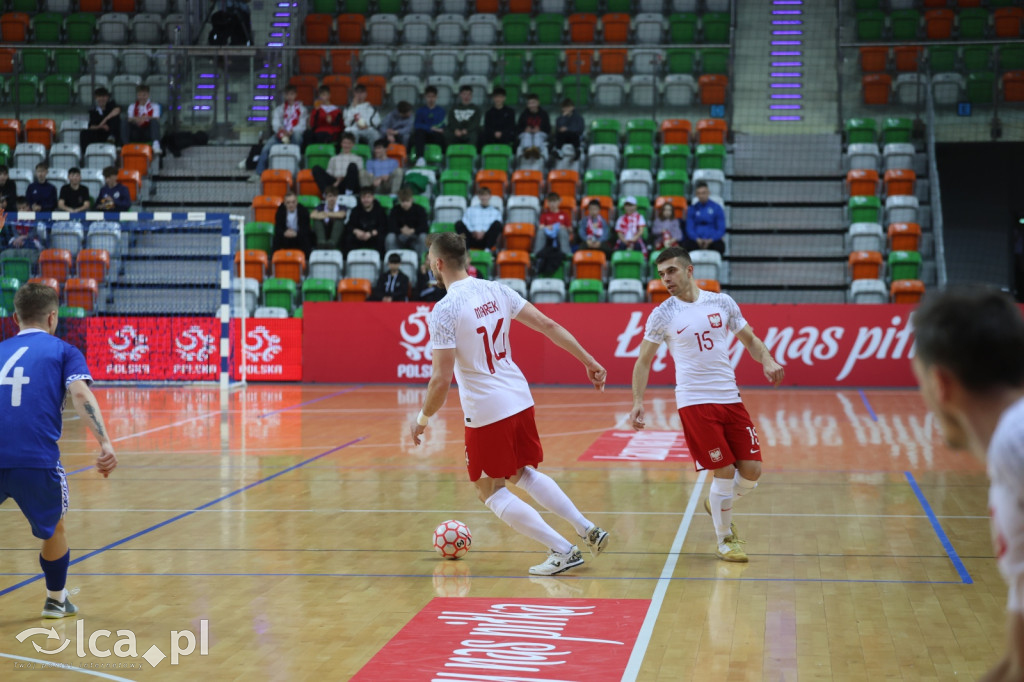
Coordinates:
(711, 131)
(679, 205)
(1013, 86)
(494, 180)
(81, 292)
(563, 182)
(305, 87)
(342, 60)
(712, 88)
(95, 6)
(908, 57)
(127, 6)
(488, 6)
(709, 285)
(606, 205)
(528, 183)
(968, 3)
(318, 28)
(93, 264)
(615, 27)
(873, 59)
(55, 263)
(862, 182)
(276, 182)
(399, 153)
(582, 28)
(339, 86)
(675, 131)
(6, 60)
(613, 61)
(513, 263)
(567, 204)
(14, 27)
(354, 289)
(579, 61)
(904, 236)
(1007, 21)
(41, 131)
(931, 4)
(350, 29)
(656, 291)
(289, 264)
(131, 179)
(264, 208)
(906, 291)
(137, 157)
(48, 281)
(938, 24)
(899, 181)
(520, 6)
(589, 264)
(519, 236)
(877, 87)
(865, 264)
(10, 130)
(374, 88)
(307, 185)
(256, 263)
(310, 61)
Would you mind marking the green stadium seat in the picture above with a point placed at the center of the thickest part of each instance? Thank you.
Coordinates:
(24, 5)
(672, 182)
(546, 62)
(550, 28)
(867, 4)
(577, 88)
(319, 155)
(386, 201)
(905, 24)
(978, 57)
(461, 157)
(864, 209)
(973, 25)
(627, 265)
(483, 261)
(544, 86)
(714, 60)
(942, 58)
(432, 153)
(617, 6)
(674, 157)
(861, 130)
(317, 290)
(643, 207)
(69, 62)
(35, 61)
(279, 292)
(638, 156)
(513, 85)
(80, 29)
(904, 265)
(1011, 57)
(599, 182)
(389, 6)
(24, 89)
(588, 6)
(46, 27)
(512, 62)
(515, 29)
(8, 287)
(870, 24)
(16, 263)
(436, 228)
(298, 313)
(641, 131)
(422, 200)
(58, 89)
(709, 156)
(497, 157)
(308, 200)
(456, 183)
(71, 311)
(331, 6)
(897, 130)
(681, 61)
(682, 28)
(979, 87)
(5, 154)
(586, 291)
(715, 27)
(259, 235)
(604, 131)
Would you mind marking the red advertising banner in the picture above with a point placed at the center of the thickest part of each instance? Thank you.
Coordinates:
(638, 446)
(272, 348)
(476, 638)
(819, 345)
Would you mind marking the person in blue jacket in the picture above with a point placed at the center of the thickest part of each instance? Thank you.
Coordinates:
(113, 195)
(705, 222)
(42, 195)
(428, 126)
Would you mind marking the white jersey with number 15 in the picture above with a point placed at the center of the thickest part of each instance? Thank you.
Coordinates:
(474, 318)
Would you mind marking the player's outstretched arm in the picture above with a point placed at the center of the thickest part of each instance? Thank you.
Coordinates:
(538, 321)
(89, 411)
(773, 371)
(441, 372)
(1011, 668)
(641, 373)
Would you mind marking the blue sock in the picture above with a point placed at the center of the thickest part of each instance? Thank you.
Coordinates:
(56, 571)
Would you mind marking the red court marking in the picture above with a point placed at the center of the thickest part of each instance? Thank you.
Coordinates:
(554, 640)
(638, 446)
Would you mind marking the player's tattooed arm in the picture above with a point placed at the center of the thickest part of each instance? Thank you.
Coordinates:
(95, 419)
(88, 409)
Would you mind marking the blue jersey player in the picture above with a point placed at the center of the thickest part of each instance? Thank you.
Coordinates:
(37, 370)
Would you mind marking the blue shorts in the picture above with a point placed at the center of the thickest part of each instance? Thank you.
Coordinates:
(42, 495)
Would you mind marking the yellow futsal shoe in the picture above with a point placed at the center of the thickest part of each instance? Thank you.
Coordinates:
(732, 526)
(729, 550)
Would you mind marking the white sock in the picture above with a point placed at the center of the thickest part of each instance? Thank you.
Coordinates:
(526, 520)
(742, 486)
(721, 506)
(59, 595)
(543, 488)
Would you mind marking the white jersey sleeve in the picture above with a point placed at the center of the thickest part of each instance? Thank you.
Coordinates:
(1006, 501)
(657, 325)
(735, 322)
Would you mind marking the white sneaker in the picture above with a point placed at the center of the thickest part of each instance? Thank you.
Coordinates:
(421, 162)
(156, 147)
(254, 178)
(558, 563)
(241, 164)
(596, 540)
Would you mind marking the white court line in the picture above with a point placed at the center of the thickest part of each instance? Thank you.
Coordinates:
(166, 426)
(636, 659)
(53, 665)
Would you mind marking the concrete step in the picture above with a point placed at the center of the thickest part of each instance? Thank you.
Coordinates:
(802, 274)
(788, 295)
(786, 246)
(210, 192)
(788, 192)
(779, 156)
(788, 219)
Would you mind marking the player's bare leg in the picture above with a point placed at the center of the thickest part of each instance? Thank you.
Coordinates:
(719, 505)
(54, 560)
(549, 495)
(526, 520)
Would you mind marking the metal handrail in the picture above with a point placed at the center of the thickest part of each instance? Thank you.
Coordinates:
(935, 194)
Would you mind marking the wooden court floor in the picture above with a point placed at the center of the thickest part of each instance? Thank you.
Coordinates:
(297, 524)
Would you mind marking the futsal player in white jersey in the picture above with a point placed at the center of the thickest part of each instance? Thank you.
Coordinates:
(969, 362)
(469, 336)
(719, 434)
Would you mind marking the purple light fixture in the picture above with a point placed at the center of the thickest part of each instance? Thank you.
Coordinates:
(785, 96)
(778, 64)
(786, 74)
(785, 85)
(786, 53)
(787, 42)
(785, 118)
(786, 106)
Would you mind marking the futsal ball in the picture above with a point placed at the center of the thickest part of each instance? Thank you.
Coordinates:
(452, 539)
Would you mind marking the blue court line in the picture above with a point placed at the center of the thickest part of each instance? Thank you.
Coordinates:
(309, 402)
(78, 471)
(186, 514)
(864, 399)
(965, 577)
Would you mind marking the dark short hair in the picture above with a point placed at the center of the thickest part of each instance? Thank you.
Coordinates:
(405, 193)
(381, 143)
(4, 168)
(483, 189)
(290, 88)
(450, 246)
(699, 185)
(674, 252)
(404, 107)
(74, 170)
(359, 88)
(366, 190)
(594, 202)
(110, 171)
(430, 89)
(332, 190)
(141, 88)
(322, 89)
(101, 92)
(975, 332)
(465, 88)
(554, 196)
(290, 193)
(532, 95)
(348, 136)
(42, 164)
(395, 258)
(567, 102)
(34, 302)
(498, 91)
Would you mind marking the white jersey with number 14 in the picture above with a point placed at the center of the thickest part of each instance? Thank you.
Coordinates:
(474, 318)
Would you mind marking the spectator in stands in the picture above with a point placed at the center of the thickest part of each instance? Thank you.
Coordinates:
(499, 122)
(551, 243)
(325, 123)
(143, 122)
(428, 128)
(361, 118)
(328, 221)
(41, 195)
(407, 225)
(104, 120)
(629, 228)
(397, 126)
(367, 224)
(481, 224)
(569, 129)
(8, 190)
(533, 128)
(666, 230)
(22, 234)
(113, 195)
(382, 172)
(463, 119)
(393, 284)
(595, 233)
(343, 170)
(288, 123)
(705, 222)
(74, 196)
(426, 285)
(292, 229)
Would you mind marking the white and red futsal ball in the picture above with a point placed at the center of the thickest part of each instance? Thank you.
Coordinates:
(452, 539)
